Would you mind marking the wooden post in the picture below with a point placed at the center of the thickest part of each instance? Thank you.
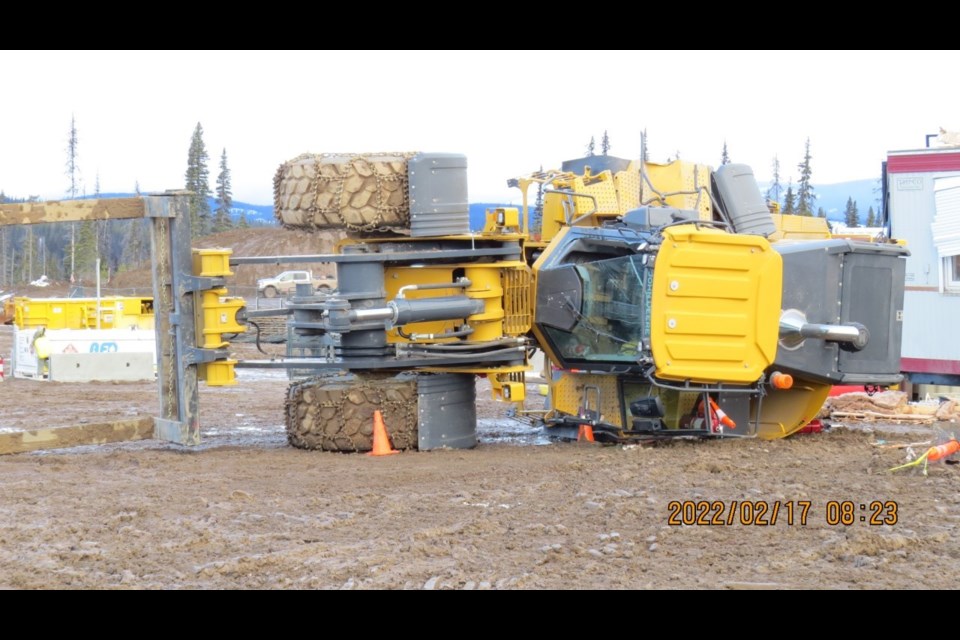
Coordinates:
(173, 307)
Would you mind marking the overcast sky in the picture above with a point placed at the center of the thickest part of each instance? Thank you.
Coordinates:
(509, 112)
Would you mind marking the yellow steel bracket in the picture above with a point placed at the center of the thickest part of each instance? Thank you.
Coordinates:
(508, 387)
(216, 314)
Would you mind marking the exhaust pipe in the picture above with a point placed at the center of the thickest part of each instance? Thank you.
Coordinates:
(794, 330)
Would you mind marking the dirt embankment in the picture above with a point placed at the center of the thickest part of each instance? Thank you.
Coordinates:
(260, 241)
(251, 242)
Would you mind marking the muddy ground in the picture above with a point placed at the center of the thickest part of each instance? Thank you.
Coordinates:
(245, 510)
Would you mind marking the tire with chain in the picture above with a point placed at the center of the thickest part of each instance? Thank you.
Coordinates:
(360, 193)
(336, 413)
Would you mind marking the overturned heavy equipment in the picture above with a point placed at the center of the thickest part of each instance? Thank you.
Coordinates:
(667, 298)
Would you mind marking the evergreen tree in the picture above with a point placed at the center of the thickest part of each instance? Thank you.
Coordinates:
(73, 168)
(222, 220)
(605, 143)
(851, 217)
(871, 218)
(536, 225)
(198, 181)
(102, 226)
(86, 251)
(135, 239)
(242, 220)
(878, 198)
(805, 196)
(73, 173)
(591, 148)
(789, 200)
(821, 213)
(773, 193)
(29, 252)
(724, 157)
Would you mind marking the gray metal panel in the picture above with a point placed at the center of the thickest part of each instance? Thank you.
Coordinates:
(101, 367)
(596, 164)
(438, 194)
(447, 411)
(873, 297)
(742, 201)
(645, 218)
(362, 284)
(510, 250)
(836, 282)
(811, 279)
(737, 408)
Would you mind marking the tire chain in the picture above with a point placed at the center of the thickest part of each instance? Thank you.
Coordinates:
(368, 382)
(374, 226)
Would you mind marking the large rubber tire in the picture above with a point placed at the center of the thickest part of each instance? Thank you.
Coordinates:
(351, 192)
(270, 292)
(336, 413)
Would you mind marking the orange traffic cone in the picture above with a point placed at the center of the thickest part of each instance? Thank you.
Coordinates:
(725, 420)
(718, 419)
(381, 441)
(585, 433)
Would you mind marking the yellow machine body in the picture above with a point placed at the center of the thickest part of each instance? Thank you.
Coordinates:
(715, 306)
(115, 312)
(504, 287)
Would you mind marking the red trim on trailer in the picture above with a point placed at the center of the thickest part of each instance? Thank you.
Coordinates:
(923, 162)
(927, 365)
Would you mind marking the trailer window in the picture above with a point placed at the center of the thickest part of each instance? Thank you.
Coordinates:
(951, 274)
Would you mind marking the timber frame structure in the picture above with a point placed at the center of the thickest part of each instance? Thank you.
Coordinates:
(174, 285)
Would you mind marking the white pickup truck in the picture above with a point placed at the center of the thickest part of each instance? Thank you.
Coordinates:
(286, 283)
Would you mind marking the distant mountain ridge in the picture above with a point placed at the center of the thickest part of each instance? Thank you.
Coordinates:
(832, 197)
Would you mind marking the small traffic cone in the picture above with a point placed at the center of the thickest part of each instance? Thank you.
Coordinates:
(933, 454)
(725, 420)
(718, 419)
(585, 433)
(381, 441)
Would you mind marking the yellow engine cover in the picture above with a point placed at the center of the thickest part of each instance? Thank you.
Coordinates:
(715, 307)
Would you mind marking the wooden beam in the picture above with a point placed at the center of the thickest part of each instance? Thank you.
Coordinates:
(76, 435)
(71, 210)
